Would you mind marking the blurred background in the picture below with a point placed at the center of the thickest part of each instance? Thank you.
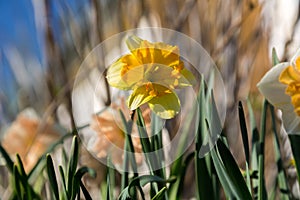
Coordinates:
(43, 43)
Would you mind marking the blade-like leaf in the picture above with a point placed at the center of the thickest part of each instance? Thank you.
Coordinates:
(77, 179)
(85, 192)
(176, 190)
(72, 165)
(222, 174)
(28, 190)
(52, 176)
(110, 179)
(203, 188)
(40, 164)
(244, 131)
(63, 178)
(142, 180)
(160, 195)
(262, 194)
(17, 182)
(295, 141)
(233, 171)
(275, 59)
(9, 162)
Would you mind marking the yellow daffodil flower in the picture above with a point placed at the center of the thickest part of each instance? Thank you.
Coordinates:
(152, 71)
(281, 87)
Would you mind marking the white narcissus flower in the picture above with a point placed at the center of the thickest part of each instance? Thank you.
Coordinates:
(281, 87)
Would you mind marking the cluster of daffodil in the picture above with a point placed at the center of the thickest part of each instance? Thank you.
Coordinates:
(281, 87)
(152, 71)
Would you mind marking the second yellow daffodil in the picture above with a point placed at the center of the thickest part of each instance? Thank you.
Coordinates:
(281, 87)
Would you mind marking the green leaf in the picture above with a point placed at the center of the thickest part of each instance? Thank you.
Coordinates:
(52, 176)
(262, 194)
(128, 154)
(77, 179)
(248, 179)
(142, 180)
(110, 179)
(145, 142)
(203, 179)
(176, 166)
(160, 195)
(9, 162)
(222, 174)
(204, 183)
(128, 147)
(17, 182)
(202, 125)
(158, 155)
(233, 171)
(255, 144)
(40, 163)
(295, 141)
(176, 190)
(28, 190)
(62, 175)
(109, 192)
(85, 192)
(275, 59)
(72, 165)
(254, 131)
(244, 131)
(21, 168)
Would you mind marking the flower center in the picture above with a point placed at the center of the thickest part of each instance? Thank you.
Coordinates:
(150, 89)
(290, 76)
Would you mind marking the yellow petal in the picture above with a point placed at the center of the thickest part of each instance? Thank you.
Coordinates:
(168, 77)
(125, 72)
(188, 77)
(165, 54)
(133, 42)
(296, 102)
(289, 75)
(147, 52)
(140, 95)
(166, 105)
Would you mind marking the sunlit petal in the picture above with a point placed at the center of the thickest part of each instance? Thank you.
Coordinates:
(125, 72)
(157, 53)
(166, 105)
(189, 79)
(165, 54)
(140, 96)
(133, 42)
(169, 77)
